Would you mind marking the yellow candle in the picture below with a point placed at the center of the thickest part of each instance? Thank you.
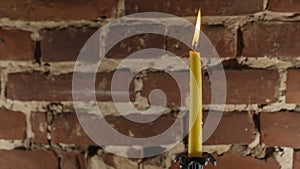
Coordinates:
(195, 116)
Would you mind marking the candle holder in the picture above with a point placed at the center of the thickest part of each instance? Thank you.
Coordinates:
(186, 162)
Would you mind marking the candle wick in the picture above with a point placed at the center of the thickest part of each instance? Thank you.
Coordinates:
(195, 46)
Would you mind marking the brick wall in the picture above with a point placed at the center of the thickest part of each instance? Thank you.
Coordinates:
(258, 42)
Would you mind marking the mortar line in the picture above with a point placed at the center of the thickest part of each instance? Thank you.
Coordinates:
(57, 68)
(35, 26)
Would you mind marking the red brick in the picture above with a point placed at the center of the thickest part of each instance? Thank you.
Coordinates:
(109, 159)
(246, 86)
(243, 86)
(72, 160)
(28, 159)
(293, 86)
(21, 86)
(16, 45)
(146, 130)
(234, 128)
(284, 5)
(39, 127)
(222, 38)
(232, 160)
(66, 129)
(251, 86)
(135, 43)
(260, 39)
(280, 129)
(166, 83)
(114, 161)
(59, 88)
(64, 44)
(190, 7)
(296, 161)
(12, 125)
(138, 38)
(38, 10)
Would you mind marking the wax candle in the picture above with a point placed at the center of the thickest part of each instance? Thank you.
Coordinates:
(195, 114)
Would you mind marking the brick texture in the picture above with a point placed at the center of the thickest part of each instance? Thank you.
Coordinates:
(12, 125)
(72, 161)
(167, 84)
(296, 164)
(145, 130)
(28, 159)
(260, 39)
(190, 7)
(293, 86)
(65, 44)
(39, 127)
(234, 128)
(16, 45)
(59, 88)
(135, 43)
(280, 129)
(222, 38)
(243, 86)
(251, 86)
(257, 40)
(57, 10)
(66, 129)
(232, 160)
(284, 6)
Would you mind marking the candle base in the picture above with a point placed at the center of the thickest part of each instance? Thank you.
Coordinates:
(186, 162)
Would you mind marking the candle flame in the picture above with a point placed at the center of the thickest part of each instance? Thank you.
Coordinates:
(197, 30)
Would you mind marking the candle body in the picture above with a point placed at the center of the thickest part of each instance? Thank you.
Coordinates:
(195, 114)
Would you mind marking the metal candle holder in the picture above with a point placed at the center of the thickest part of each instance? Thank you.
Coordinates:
(186, 162)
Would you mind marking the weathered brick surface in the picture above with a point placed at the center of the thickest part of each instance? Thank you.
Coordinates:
(39, 127)
(222, 38)
(59, 88)
(260, 39)
(167, 84)
(20, 87)
(145, 130)
(72, 160)
(12, 125)
(16, 45)
(234, 128)
(67, 129)
(280, 129)
(28, 159)
(284, 6)
(119, 162)
(293, 86)
(190, 7)
(296, 160)
(243, 86)
(232, 160)
(38, 10)
(251, 86)
(135, 43)
(64, 44)
(62, 29)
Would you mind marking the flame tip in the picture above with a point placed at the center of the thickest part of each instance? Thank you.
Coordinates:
(198, 29)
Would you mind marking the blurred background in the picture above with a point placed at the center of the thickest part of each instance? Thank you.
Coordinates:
(259, 45)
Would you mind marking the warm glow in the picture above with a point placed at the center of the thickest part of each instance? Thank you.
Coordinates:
(197, 30)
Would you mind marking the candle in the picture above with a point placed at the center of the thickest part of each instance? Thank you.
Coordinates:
(195, 116)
